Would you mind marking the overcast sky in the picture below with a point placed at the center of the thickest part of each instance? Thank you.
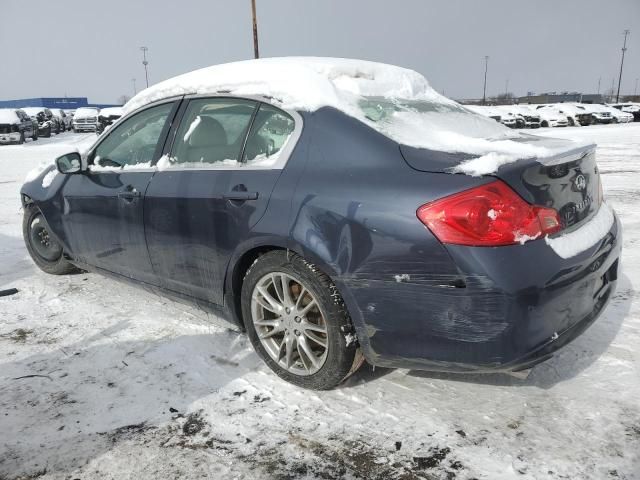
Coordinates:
(90, 48)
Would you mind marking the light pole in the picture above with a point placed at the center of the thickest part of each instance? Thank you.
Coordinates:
(635, 90)
(133, 80)
(256, 52)
(484, 89)
(145, 63)
(599, 79)
(624, 49)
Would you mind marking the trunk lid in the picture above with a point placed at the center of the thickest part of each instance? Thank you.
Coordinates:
(568, 181)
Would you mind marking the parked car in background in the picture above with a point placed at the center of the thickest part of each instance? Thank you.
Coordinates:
(633, 108)
(107, 117)
(576, 114)
(486, 111)
(335, 227)
(45, 125)
(65, 120)
(531, 118)
(600, 113)
(58, 123)
(509, 117)
(86, 119)
(619, 115)
(16, 126)
(550, 116)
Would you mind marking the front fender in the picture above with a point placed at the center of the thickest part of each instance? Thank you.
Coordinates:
(42, 188)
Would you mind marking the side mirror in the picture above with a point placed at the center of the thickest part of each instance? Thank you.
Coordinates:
(69, 163)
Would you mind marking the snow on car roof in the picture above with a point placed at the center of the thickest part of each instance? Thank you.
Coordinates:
(8, 115)
(92, 111)
(106, 112)
(297, 83)
(423, 119)
(32, 111)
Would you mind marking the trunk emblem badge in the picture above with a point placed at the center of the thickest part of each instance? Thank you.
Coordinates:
(580, 182)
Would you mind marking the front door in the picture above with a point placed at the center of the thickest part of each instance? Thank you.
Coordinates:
(103, 211)
(212, 189)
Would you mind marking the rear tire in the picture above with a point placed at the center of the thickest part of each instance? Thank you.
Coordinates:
(544, 124)
(45, 251)
(316, 324)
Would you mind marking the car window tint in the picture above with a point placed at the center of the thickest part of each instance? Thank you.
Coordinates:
(134, 141)
(212, 132)
(270, 132)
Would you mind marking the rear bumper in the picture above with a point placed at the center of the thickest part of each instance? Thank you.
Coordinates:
(508, 309)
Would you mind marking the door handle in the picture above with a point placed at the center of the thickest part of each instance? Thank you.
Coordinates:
(240, 196)
(129, 195)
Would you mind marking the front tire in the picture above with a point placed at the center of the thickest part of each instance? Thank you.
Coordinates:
(297, 321)
(45, 251)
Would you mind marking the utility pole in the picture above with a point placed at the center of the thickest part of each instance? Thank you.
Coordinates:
(133, 80)
(635, 90)
(484, 90)
(624, 49)
(506, 88)
(256, 52)
(145, 63)
(599, 79)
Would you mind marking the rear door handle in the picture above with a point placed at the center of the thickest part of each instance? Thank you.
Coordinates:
(240, 195)
(129, 195)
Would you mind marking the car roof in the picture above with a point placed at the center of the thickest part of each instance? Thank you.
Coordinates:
(296, 83)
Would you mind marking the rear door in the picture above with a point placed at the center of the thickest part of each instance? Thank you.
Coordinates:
(103, 212)
(212, 189)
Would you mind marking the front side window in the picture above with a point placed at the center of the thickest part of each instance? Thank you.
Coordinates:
(134, 141)
(212, 133)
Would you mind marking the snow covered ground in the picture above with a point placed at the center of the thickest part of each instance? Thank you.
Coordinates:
(102, 380)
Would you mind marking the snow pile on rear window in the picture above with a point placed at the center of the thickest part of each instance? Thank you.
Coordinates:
(410, 111)
(8, 116)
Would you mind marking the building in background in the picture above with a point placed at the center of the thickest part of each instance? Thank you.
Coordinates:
(66, 103)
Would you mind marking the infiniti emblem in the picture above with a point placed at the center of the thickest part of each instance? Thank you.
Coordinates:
(580, 182)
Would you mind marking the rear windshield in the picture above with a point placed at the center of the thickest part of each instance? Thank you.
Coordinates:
(429, 124)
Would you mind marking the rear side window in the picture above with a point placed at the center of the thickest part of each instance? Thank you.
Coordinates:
(211, 133)
(270, 133)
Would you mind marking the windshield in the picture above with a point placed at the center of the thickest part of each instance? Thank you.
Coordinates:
(428, 124)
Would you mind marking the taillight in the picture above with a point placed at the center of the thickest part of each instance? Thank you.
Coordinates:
(488, 215)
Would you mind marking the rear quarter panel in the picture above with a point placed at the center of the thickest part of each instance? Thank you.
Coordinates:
(354, 215)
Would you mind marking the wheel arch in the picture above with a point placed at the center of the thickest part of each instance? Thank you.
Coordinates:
(243, 260)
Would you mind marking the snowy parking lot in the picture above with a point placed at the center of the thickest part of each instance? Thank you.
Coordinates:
(103, 380)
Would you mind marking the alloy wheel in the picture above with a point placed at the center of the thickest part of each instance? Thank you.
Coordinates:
(290, 323)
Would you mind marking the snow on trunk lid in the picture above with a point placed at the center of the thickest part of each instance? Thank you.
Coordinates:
(569, 183)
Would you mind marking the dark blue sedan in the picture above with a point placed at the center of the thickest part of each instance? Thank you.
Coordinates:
(331, 237)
